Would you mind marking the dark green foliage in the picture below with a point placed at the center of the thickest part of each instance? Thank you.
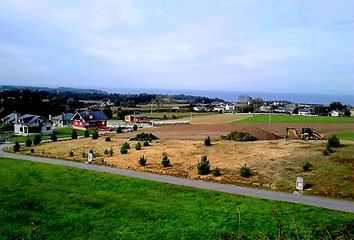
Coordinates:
(107, 139)
(86, 134)
(126, 145)
(74, 134)
(239, 136)
(144, 137)
(325, 152)
(71, 153)
(54, 137)
(28, 142)
(203, 167)
(135, 127)
(207, 141)
(95, 135)
(146, 143)
(306, 166)
(333, 141)
(119, 129)
(329, 148)
(245, 171)
(32, 150)
(165, 160)
(138, 146)
(37, 140)
(16, 147)
(110, 152)
(105, 151)
(142, 160)
(216, 172)
(123, 150)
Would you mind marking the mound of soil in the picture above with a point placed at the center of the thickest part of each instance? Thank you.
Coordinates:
(261, 134)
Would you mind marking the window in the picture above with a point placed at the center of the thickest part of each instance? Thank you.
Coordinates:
(47, 128)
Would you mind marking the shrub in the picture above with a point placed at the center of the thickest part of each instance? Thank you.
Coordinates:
(207, 141)
(135, 128)
(107, 139)
(83, 154)
(110, 152)
(126, 145)
(105, 151)
(86, 134)
(329, 148)
(138, 146)
(119, 129)
(245, 171)
(239, 136)
(37, 140)
(32, 150)
(333, 141)
(306, 166)
(54, 137)
(94, 135)
(71, 153)
(144, 137)
(123, 150)
(325, 152)
(203, 167)
(146, 143)
(28, 142)
(16, 147)
(142, 161)
(74, 134)
(165, 160)
(216, 172)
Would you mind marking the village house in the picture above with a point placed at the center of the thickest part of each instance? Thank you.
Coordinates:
(32, 124)
(336, 113)
(305, 111)
(135, 118)
(9, 119)
(62, 120)
(89, 120)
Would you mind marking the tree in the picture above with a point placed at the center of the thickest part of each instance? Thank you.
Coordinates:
(203, 167)
(108, 112)
(95, 135)
(336, 106)
(54, 137)
(28, 142)
(16, 147)
(258, 102)
(244, 98)
(74, 134)
(86, 134)
(37, 140)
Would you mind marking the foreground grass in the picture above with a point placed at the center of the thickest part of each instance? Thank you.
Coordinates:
(264, 118)
(47, 201)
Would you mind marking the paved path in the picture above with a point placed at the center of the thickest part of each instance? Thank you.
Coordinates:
(339, 205)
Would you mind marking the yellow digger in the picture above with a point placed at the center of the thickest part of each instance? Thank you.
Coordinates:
(306, 134)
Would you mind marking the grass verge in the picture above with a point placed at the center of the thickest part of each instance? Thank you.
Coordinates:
(344, 135)
(47, 201)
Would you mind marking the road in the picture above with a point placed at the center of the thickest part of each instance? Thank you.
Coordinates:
(333, 204)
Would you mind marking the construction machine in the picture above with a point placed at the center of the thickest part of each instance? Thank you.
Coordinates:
(305, 134)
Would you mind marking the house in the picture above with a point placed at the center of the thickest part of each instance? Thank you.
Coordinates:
(62, 120)
(336, 113)
(282, 110)
(175, 109)
(135, 118)
(32, 124)
(229, 107)
(89, 120)
(264, 108)
(9, 119)
(305, 111)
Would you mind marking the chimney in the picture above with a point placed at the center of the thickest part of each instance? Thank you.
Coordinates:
(16, 118)
(50, 117)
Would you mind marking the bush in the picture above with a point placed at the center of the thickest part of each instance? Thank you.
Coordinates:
(37, 140)
(54, 137)
(245, 171)
(135, 128)
(306, 166)
(83, 154)
(216, 172)
(16, 147)
(239, 136)
(333, 141)
(86, 134)
(203, 167)
(110, 152)
(123, 150)
(126, 145)
(329, 148)
(105, 151)
(28, 142)
(207, 141)
(138, 146)
(165, 160)
(325, 152)
(119, 129)
(108, 139)
(94, 135)
(71, 153)
(146, 144)
(142, 161)
(32, 150)
(144, 137)
(74, 134)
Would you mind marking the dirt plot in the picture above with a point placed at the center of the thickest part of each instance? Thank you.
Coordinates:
(261, 131)
(275, 163)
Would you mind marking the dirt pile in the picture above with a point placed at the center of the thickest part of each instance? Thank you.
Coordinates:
(260, 134)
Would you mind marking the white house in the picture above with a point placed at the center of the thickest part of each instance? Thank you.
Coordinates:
(336, 113)
(229, 107)
(32, 124)
(305, 111)
(62, 120)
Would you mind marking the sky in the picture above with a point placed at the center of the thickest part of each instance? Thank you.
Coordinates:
(297, 46)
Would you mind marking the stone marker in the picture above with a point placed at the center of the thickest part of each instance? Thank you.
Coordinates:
(299, 184)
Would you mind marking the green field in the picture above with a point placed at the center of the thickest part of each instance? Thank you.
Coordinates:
(169, 115)
(41, 201)
(345, 135)
(264, 118)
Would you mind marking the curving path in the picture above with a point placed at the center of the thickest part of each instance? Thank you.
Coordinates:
(339, 205)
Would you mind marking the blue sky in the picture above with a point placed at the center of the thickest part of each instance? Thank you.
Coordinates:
(237, 45)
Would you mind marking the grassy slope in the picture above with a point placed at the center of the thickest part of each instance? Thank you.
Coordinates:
(264, 118)
(67, 203)
(345, 135)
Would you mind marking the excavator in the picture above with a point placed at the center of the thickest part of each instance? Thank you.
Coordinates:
(305, 134)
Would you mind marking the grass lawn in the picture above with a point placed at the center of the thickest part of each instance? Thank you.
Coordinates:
(264, 118)
(169, 115)
(47, 201)
(345, 135)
